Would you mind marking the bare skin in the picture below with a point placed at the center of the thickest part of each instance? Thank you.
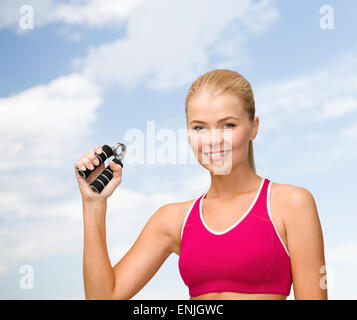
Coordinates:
(293, 211)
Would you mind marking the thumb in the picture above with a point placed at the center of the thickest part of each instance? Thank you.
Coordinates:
(117, 170)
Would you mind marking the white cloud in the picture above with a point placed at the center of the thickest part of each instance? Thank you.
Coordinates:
(41, 128)
(165, 45)
(349, 131)
(95, 13)
(307, 122)
(42, 125)
(168, 42)
(339, 107)
(342, 252)
(34, 239)
(341, 262)
(315, 97)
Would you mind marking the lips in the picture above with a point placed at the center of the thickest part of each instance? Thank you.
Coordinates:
(216, 155)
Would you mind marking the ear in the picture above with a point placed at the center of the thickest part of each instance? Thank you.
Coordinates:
(255, 127)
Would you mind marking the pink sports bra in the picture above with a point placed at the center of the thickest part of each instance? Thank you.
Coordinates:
(247, 257)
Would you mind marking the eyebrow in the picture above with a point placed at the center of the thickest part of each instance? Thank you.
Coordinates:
(230, 117)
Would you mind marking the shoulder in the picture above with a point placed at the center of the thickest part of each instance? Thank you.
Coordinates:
(174, 210)
(174, 213)
(291, 194)
(171, 216)
(297, 203)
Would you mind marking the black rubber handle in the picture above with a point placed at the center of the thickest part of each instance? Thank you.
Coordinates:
(107, 153)
(103, 179)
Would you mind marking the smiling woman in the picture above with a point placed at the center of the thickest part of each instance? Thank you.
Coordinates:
(244, 238)
(232, 245)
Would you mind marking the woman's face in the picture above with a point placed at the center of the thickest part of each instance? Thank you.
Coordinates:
(217, 124)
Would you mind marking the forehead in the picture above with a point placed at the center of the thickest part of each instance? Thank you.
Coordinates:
(205, 105)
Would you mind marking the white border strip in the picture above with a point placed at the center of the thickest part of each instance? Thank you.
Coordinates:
(187, 214)
(271, 219)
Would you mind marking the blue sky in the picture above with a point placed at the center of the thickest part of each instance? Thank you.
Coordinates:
(91, 71)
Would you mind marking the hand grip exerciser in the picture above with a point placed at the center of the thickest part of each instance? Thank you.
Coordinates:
(107, 174)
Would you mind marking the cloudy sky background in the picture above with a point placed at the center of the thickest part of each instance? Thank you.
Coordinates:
(92, 72)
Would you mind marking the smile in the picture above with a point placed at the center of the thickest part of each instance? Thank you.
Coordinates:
(217, 155)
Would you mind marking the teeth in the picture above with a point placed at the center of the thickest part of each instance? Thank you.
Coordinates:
(216, 154)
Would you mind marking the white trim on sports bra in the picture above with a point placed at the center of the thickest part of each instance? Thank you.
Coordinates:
(271, 219)
(240, 219)
(186, 216)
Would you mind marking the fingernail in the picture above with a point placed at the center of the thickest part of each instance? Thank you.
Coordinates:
(96, 162)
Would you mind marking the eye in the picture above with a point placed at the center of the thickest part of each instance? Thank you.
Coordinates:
(230, 125)
(197, 128)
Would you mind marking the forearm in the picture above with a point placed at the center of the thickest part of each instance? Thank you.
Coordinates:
(98, 274)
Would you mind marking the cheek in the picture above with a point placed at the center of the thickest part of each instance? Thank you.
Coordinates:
(239, 140)
(195, 142)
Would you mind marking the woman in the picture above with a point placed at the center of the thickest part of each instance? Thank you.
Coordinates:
(245, 238)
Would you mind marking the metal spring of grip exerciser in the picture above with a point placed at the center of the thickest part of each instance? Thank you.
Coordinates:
(107, 174)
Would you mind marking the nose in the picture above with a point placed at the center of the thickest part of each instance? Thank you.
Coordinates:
(216, 140)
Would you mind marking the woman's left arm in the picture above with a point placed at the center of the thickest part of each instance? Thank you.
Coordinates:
(306, 246)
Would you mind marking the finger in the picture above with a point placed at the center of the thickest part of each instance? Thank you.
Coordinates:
(94, 175)
(87, 163)
(92, 158)
(116, 168)
(98, 149)
(117, 175)
(80, 165)
(76, 168)
(83, 184)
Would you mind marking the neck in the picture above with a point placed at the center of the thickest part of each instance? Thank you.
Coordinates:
(241, 179)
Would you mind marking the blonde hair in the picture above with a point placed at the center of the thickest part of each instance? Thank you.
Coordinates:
(220, 81)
